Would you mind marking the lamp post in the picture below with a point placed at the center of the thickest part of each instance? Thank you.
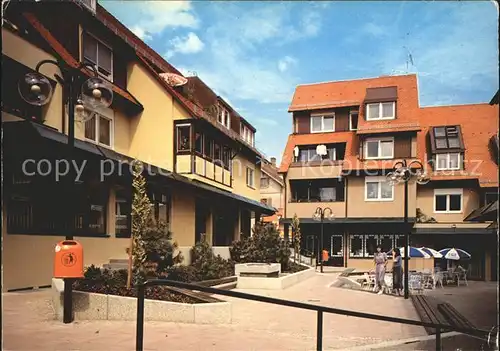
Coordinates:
(36, 90)
(404, 172)
(320, 214)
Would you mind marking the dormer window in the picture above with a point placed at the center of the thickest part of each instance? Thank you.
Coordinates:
(323, 123)
(446, 138)
(223, 117)
(381, 103)
(99, 54)
(247, 134)
(382, 110)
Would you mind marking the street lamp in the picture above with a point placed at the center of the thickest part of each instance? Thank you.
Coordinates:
(95, 92)
(320, 215)
(404, 172)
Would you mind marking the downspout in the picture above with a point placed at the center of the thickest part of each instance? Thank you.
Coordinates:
(346, 233)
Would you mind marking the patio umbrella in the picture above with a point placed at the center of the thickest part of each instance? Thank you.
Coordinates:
(431, 252)
(455, 254)
(414, 252)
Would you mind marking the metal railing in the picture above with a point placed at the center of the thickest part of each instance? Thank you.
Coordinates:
(141, 290)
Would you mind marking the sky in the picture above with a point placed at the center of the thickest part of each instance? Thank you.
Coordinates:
(254, 54)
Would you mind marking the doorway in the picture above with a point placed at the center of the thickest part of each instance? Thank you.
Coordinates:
(336, 250)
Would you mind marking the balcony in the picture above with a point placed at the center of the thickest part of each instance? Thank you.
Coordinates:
(307, 195)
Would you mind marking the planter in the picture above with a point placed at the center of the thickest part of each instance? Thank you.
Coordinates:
(279, 283)
(93, 306)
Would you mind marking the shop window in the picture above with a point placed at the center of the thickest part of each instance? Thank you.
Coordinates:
(356, 246)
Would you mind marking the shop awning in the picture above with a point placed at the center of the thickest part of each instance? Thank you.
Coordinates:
(488, 212)
(359, 220)
(27, 129)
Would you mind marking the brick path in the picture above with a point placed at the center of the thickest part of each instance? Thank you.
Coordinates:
(256, 326)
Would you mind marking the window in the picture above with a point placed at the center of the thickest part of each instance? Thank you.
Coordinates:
(379, 148)
(247, 134)
(382, 110)
(264, 182)
(353, 120)
(448, 200)
(122, 214)
(378, 189)
(99, 54)
(490, 198)
(226, 157)
(447, 162)
(317, 190)
(267, 201)
(365, 245)
(198, 143)
(217, 153)
(99, 129)
(223, 117)
(356, 246)
(322, 124)
(161, 204)
(250, 177)
(208, 147)
(447, 137)
(183, 137)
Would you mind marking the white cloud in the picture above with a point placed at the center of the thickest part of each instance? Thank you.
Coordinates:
(189, 44)
(141, 33)
(236, 61)
(150, 18)
(285, 63)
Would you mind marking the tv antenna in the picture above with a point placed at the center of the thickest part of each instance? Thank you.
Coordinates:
(409, 58)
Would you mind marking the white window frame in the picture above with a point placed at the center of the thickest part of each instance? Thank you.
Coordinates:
(99, 42)
(379, 140)
(109, 115)
(449, 192)
(221, 116)
(322, 116)
(247, 135)
(350, 119)
(379, 180)
(369, 118)
(448, 161)
(250, 180)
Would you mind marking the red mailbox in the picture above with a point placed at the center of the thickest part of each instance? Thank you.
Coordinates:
(68, 260)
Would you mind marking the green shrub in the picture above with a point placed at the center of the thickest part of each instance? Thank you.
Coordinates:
(207, 264)
(264, 246)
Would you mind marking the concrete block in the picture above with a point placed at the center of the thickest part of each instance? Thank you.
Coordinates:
(121, 308)
(166, 311)
(264, 269)
(90, 306)
(212, 313)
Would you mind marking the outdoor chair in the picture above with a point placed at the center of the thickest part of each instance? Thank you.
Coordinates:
(388, 284)
(415, 283)
(368, 283)
(437, 278)
(461, 273)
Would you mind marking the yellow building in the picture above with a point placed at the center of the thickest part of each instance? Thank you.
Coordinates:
(201, 165)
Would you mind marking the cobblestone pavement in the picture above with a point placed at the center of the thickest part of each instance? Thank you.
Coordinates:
(28, 324)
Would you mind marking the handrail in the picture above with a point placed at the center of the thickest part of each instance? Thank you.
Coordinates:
(141, 289)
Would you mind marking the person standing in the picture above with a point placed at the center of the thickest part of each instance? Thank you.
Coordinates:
(380, 260)
(397, 271)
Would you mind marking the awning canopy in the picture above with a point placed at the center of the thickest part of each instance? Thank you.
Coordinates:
(488, 212)
(15, 130)
(381, 94)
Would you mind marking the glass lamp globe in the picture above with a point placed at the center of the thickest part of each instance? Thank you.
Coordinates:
(35, 89)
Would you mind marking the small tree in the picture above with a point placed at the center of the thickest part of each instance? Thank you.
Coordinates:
(296, 236)
(151, 250)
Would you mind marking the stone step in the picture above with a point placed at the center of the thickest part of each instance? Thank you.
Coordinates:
(227, 286)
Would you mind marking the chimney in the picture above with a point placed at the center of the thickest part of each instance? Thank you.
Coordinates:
(273, 161)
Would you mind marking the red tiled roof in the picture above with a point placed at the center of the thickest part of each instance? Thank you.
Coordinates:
(478, 122)
(349, 93)
(67, 57)
(271, 171)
